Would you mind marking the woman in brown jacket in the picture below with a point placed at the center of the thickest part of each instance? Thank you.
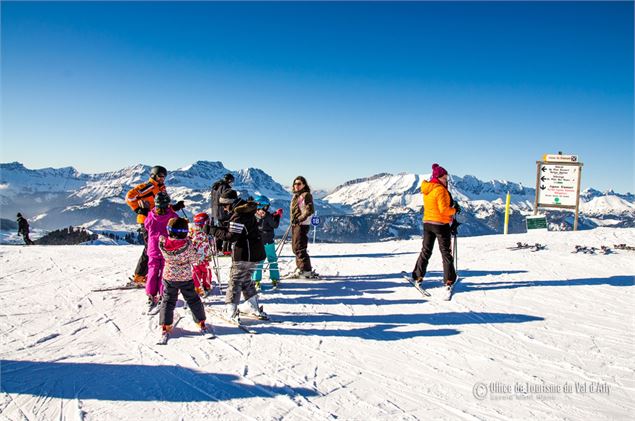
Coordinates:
(438, 211)
(301, 211)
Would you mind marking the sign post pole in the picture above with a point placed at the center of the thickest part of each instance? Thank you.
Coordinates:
(577, 203)
(315, 221)
(507, 202)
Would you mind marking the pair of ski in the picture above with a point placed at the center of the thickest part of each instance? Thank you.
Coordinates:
(448, 291)
(208, 333)
(293, 275)
(592, 250)
(523, 246)
(221, 315)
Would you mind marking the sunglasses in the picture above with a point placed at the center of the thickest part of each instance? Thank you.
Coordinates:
(297, 183)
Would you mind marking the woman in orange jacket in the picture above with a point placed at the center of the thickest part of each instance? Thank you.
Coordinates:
(438, 211)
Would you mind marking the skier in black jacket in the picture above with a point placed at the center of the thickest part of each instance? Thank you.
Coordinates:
(218, 215)
(248, 251)
(23, 229)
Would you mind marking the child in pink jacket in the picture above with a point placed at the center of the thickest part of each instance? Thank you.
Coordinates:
(179, 256)
(155, 224)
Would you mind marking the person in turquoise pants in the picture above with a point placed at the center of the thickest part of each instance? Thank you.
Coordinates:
(267, 224)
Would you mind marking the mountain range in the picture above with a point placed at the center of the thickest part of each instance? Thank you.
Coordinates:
(380, 207)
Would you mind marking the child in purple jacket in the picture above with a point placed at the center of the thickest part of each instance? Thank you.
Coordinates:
(156, 225)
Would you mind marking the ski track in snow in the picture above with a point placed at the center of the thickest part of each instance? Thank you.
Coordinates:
(360, 343)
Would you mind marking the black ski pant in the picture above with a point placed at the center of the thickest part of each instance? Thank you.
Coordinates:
(171, 293)
(27, 240)
(142, 264)
(443, 234)
(299, 245)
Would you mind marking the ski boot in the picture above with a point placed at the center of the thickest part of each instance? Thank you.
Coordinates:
(232, 314)
(154, 305)
(165, 334)
(206, 330)
(308, 274)
(253, 309)
(139, 281)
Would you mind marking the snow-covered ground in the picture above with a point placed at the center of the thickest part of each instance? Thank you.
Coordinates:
(359, 344)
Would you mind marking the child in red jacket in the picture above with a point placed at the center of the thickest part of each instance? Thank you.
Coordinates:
(201, 241)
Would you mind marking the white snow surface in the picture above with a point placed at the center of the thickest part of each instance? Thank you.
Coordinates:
(359, 344)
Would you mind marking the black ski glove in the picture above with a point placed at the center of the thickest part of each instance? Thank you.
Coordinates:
(178, 206)
(142, 211)
(457, 207)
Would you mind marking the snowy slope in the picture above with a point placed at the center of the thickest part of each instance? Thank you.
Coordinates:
(359, 344)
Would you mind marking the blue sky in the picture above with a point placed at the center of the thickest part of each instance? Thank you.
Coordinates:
(332, 91)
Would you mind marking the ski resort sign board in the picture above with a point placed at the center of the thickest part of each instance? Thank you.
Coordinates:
(558, 183)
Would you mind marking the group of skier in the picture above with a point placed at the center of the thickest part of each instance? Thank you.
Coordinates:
(176, 255)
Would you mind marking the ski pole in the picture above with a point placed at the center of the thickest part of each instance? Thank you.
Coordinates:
(284, 240)
(215, 264)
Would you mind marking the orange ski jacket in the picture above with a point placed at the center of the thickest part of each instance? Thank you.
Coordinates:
(141, 198)
(436, 203)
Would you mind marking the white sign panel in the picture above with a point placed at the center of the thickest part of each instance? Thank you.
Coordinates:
(558, 185)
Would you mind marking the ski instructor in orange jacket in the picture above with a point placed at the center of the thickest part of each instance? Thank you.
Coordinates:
(141, 201)
(438, 211)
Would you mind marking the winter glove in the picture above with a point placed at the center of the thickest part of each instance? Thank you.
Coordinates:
(178, 206)
(294, 221)
(278, 213)
(142, 211)
(457, 207)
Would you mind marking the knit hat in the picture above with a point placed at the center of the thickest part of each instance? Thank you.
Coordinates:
(162, 200)
(438, 171)
(228, 197)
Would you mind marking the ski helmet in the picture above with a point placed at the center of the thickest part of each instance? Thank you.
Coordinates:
(262, 201)
(200, 219)
(158, 171)
(229, 178)
(162, 200)
(177, 228)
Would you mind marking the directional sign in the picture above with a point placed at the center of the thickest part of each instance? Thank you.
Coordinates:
(315, 221)
(558, 185)
(560, 158)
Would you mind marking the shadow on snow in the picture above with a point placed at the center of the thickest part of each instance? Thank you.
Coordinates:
(616, 281)
(129, 382)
